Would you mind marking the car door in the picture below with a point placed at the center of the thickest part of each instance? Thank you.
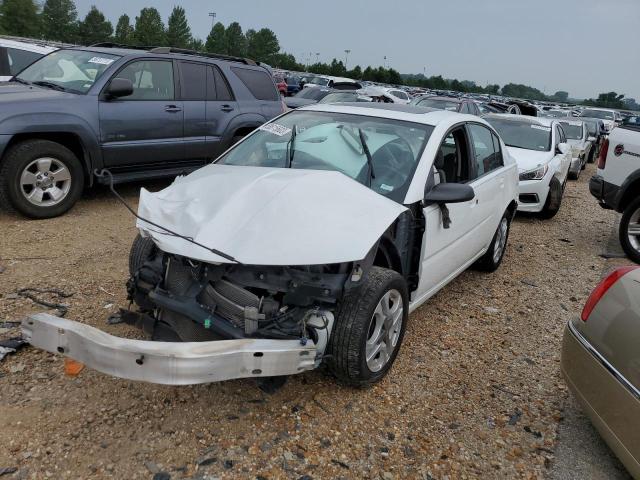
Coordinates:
(193, 93)
(448, 251)
(489, 177)
(221, 108)
(145, 127)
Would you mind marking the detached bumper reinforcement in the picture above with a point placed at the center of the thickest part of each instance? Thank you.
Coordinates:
(168, 363)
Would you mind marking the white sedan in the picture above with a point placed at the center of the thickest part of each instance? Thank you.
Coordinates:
(540, 148)
(308, 242)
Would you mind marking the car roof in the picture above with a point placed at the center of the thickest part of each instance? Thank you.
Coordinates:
(542, 121)
(28, 46)
(394, 111)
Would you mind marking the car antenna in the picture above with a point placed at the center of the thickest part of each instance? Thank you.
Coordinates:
(105, 173)
(291, 147)
(365, 148)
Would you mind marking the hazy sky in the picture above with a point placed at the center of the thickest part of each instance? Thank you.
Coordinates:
(582, 46)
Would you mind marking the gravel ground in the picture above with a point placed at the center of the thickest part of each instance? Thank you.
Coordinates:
(475, 391)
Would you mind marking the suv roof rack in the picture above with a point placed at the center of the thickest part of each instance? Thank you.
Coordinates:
(181, 51)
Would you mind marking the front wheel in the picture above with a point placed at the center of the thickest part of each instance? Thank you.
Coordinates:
(369, 328)
(40, 179)
(630, 230)
(554, 199)
(492, 259)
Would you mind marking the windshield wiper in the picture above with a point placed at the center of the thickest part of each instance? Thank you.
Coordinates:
(291, 147)
(365, 148)
(19, 80)
(54, 86)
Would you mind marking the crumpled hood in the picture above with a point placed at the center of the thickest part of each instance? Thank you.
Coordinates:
(268, 216)
(529, 159)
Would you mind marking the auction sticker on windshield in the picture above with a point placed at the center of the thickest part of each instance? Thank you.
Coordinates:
(276, 129)
(101, 60)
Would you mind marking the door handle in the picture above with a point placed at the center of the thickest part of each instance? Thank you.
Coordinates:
(226, 108)
(172, 108)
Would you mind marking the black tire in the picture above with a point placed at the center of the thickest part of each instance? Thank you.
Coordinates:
(631, 212)
(18, 158)
(142, 249)
(488, 262)
(347, 345)
(554, 199)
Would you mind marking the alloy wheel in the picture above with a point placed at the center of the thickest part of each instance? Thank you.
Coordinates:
(45, 182)
(384, 330)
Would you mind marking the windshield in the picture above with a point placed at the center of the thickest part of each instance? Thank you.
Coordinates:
(331, 141)
(69, 70)
(573, 130)
(523, 134)
(312, 93)
(601, 114)
(344, 97)
(439, 104)
(319, 81)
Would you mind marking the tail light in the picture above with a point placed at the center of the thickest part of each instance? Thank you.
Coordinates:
(601, 289)
(602, 159)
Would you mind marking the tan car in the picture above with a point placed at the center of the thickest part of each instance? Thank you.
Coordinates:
(601, 362)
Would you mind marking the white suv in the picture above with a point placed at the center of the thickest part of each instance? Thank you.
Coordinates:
(16, 54)
(308, 242)
(617, 184)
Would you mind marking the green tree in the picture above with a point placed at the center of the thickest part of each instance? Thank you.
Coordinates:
(262, 45)
(216, 42)
(196, 44)
(124, 31)
(178, 31)
(286, 61)
(59, 21)
(235, 41)
(94, 28)
(19, 17)
(355, 73)
(149, 29)
(393, 77)
(607, 100)
(561, 96)
(337, 68)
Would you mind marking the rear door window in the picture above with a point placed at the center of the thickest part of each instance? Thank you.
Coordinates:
(193, 81)
(217, 86)
(259, 83)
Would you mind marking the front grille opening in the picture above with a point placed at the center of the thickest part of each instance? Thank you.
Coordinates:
(529, 198)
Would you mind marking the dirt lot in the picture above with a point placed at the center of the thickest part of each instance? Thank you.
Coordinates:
(475, 392)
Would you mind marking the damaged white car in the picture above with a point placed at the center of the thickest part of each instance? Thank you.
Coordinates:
(307, 243)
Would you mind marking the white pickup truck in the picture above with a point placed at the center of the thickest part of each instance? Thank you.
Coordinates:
(617, 183)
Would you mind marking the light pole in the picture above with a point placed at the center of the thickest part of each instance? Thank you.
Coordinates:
(346, 58)
(385, 61)
(213, 19)
(317, 57)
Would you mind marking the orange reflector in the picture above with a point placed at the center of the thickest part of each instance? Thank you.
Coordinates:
(72, 368)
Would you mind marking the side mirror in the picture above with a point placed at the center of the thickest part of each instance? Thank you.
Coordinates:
(563, 148)
(119, 87)
(449, 193)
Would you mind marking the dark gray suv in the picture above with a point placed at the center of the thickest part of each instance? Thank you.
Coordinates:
(143, 114)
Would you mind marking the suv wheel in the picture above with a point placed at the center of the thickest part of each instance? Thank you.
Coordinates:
(492, 259)
(630, 230)
(40, 179)
(369, 328)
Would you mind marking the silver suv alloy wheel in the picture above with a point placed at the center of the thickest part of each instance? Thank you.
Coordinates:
(45, 182)
(384, 330)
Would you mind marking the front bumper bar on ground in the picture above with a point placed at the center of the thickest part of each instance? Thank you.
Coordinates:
(168, 363)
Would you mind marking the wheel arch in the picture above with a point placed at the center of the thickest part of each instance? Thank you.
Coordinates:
(630, 191)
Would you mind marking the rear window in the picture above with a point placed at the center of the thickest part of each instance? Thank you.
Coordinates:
(439, 104)
(258, 82)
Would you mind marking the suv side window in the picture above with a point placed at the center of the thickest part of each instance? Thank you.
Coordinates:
(259, 83)
(20, 59)
(452, 158)
(152, 80)
(217, 86)
(486, 157)
(193, 81)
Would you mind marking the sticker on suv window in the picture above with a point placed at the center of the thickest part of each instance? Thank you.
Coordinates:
(101, 60)
(276, 129)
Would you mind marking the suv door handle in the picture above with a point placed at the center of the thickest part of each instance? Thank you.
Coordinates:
(226, 108)
(172, 108)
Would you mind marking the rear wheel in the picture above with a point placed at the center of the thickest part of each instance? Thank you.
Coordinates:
(492, 259)
(369, 328)
(630, 230)
(554, 199)
(40, 179)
